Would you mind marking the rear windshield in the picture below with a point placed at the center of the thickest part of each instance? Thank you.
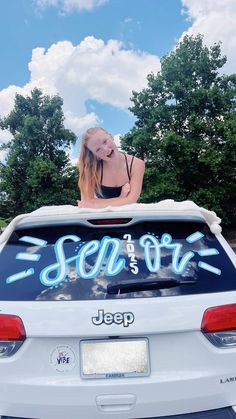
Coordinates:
(77, 262)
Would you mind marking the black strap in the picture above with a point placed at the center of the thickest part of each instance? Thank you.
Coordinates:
(127, 166)
(101, 172)
(129, 169)
(131, 164)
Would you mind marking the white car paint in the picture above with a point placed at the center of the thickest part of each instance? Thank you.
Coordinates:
(188, 373)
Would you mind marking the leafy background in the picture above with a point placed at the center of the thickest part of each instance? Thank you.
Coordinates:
(185, 129)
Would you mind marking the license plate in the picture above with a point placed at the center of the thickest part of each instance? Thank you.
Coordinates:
(114, 358)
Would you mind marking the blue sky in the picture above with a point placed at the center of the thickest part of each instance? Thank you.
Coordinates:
(149, 25)
(95, 52)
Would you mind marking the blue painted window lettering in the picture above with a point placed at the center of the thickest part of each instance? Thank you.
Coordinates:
(179, 264)
(108, 247)
(105, 256)
(60, 267)
(149, 242)
(114, 263)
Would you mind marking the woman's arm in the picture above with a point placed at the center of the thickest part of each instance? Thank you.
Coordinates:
(136, 182)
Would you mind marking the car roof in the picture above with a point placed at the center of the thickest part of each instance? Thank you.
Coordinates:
(68, 214)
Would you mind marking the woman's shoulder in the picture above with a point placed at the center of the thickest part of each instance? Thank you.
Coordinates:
(136, 165)
(135, 159)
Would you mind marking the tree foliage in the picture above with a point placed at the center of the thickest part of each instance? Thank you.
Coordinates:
(186, 129)
(37, 170)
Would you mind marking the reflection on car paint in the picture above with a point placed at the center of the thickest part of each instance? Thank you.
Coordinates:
(107, 253)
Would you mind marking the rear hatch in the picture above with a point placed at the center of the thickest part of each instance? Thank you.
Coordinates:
(113, 316)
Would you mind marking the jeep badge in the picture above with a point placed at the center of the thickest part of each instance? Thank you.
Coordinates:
(125, 318)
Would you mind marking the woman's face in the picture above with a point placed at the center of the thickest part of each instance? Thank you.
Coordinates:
(102, 145)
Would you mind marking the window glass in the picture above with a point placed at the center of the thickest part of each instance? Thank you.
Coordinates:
(78, 262)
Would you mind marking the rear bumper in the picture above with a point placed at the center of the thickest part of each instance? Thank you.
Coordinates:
(225, 413)
(65, 398)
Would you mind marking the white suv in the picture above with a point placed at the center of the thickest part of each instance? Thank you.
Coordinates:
(120, 313)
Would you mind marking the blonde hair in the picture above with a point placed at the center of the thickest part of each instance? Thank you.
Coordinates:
(89, 166)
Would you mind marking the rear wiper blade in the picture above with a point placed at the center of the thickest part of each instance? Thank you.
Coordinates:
(131, 286)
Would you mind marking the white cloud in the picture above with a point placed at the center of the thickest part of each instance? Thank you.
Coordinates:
(2, 156)
(68, 6)
(91, 70)
(7, 98)
(128, 20)
(117, 139)
(78, 124)
(215, 19)
(5, 136)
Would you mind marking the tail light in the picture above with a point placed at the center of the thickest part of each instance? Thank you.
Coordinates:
(12, 334)
(110, 221)
(219, 325)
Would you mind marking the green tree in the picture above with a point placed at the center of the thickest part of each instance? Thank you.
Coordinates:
(186, 129)
(37, 170)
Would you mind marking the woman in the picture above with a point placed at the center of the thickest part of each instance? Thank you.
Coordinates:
(107, 176)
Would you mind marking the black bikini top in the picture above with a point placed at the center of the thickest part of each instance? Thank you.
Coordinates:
(113, 191)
